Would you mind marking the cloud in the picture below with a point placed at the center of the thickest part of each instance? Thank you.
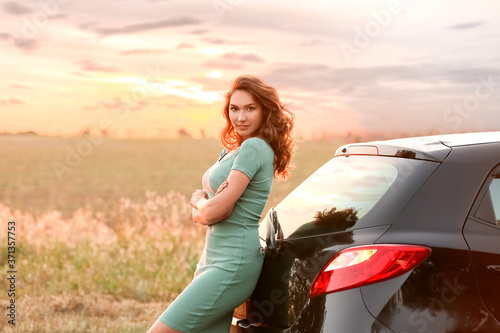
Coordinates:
(463, 26)
(59, 16)
(320, 77)
(24, 44)
(221, 41)
(232, 60)
(232, 56)
(185, 46)
(87, 25)
(394, 99)
(309, 42)
(92, 66)
(14, 8)
(310, 77)
(199, 31)
(20, 86)
(142, 51)
(296, 18)
(116, 104)
(11, 101)
(134, 28)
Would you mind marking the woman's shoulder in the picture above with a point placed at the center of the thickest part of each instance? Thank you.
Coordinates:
(258, 148)
(256, 142)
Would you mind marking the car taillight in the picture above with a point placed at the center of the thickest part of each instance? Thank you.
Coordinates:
(363, 265)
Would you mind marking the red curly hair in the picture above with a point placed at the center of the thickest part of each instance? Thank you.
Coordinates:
(277, 123)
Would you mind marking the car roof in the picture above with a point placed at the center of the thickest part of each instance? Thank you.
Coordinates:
(432, 148)
(462, 139)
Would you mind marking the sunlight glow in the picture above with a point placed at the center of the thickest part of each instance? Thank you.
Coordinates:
(191, 91)
(175, 87)
(214, 74)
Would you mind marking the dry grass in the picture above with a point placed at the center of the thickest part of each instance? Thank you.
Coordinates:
(108, 248)
(79, 312)
(139, 251)
(118, 270)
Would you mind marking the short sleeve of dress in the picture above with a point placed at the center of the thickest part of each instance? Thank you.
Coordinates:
(250, 158)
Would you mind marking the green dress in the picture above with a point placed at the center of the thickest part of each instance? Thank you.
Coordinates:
(231, 261)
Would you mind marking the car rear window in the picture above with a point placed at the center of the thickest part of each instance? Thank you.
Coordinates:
(343, 193)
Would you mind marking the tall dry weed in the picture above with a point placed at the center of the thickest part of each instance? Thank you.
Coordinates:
(143, 251)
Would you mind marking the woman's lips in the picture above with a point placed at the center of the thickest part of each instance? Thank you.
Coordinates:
(243, 127)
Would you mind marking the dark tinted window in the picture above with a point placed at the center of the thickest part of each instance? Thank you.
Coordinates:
(349, 192)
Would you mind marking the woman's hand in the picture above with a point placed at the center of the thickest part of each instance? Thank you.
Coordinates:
(221, 187)
(197, 196)
(220, 206)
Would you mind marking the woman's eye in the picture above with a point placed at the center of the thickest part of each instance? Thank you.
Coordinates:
(252, 108)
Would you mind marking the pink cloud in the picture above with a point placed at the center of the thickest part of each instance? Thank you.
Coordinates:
(185, 46)
(92, 66)
(11, 101)
(20, 86)
(144, 51)
(148, 26)
(117, 104)
(14, 8)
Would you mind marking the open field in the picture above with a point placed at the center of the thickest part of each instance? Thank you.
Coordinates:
(107, 243)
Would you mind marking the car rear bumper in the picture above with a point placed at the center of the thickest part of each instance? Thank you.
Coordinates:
(343, 312)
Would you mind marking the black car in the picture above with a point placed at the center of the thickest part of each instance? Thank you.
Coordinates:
(388, 236)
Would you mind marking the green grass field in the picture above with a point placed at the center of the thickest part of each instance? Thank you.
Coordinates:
(104, 239)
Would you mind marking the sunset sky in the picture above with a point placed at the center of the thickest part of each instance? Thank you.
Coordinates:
(146, 68)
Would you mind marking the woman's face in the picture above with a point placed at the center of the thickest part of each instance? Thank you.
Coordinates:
(245, 114)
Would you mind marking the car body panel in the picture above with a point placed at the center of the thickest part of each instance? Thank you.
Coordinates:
(432, 301)
(484, 242)
(447, 196)
(279, 302)
(482, 233)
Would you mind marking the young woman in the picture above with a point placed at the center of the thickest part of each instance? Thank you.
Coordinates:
(258, 148)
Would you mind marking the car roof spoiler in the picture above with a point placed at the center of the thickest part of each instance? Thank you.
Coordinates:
(431, 148)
